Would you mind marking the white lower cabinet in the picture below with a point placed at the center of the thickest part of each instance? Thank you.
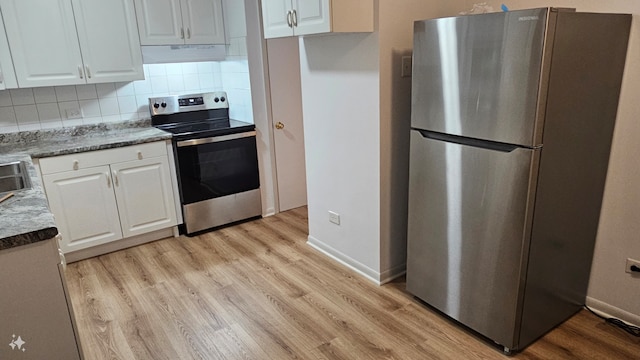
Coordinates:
(103, 196)
(84, 207)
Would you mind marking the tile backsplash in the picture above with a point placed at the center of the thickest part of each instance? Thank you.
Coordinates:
(54, 107)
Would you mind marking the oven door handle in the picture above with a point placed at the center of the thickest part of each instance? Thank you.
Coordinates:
(215, 139)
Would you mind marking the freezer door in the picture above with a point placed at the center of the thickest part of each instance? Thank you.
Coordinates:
(478, 76)
(468, 228)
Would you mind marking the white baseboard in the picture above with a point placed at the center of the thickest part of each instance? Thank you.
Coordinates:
(370, 274)
(607, 310)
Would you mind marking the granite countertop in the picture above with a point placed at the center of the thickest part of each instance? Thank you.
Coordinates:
(25, 218)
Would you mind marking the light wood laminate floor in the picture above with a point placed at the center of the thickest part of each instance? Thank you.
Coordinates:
(258, 291)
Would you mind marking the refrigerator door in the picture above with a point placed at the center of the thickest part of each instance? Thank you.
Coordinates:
(469, 222)
(478, 76)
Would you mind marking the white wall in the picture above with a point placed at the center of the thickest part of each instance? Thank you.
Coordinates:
(611, 289)
(396, 40)
(363, 176)
(340, 101)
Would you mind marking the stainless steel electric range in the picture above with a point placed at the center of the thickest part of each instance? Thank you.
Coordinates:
(216, 159)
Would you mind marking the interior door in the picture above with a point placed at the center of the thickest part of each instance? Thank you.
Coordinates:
(286, 109)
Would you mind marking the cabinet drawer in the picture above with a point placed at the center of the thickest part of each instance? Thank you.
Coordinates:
(89, 159)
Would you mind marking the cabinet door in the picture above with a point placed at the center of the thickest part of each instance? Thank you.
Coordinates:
(202, 21)
(108, 40)
(159, 22)
(312, 17)
(7, 75)
(43, 41)
(84, 206)
(145, 195)
(274, 18)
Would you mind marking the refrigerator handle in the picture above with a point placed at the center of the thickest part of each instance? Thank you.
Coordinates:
(484, 144)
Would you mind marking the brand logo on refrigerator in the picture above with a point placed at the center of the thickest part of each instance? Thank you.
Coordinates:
(528, 18)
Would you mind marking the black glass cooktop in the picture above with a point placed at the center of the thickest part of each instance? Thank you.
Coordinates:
(200, 129)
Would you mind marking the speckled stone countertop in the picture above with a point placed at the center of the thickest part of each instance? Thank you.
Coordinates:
(71, 140)
(25, 218)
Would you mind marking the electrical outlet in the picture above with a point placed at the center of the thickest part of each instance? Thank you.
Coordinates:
(406, 66)
(74, 113)
(633, 267)
(334, 217)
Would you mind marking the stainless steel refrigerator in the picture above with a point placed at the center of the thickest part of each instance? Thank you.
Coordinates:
(511, 127)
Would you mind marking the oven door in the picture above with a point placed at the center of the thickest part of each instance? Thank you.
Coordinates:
(217, 166)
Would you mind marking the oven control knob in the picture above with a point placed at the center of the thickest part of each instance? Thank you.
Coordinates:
(222, 98)
(216, 99)
(164, 104)
(156, 105)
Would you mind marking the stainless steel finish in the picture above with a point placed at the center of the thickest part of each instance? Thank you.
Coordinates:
(88, 71)
(215, 139)
(173, 105)
(289, 21)
(181, 33)
(80, 72)
(295, 18)
(477, 201)
(108, 179)
(14, 177)
(505, 193)
(115, 178)
(223, 210)
(572, 174)
(493, 96)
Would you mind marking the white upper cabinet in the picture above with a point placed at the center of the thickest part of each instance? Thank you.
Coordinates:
(179, 22)
(47, 49)
(109, 40)
(7, 75)
(304, 17)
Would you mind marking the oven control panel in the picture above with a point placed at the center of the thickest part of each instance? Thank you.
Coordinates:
(185, 103)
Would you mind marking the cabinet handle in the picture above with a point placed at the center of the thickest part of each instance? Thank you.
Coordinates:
(80, 72)
(1, 77)
(139, 155)
(188, 33)
(115, 178)
(181, 33)
(76, 164)
(108, 179)
(289, 20)
(295, 18)
(88, 71)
